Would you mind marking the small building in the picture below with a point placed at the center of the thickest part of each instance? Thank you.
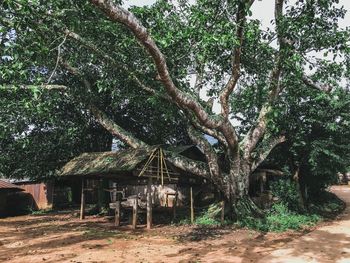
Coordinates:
(260, 186)
(41, 192)
(6, 191)
(147, 174)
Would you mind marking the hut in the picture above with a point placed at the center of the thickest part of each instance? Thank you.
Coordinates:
(6, 190)
(41, 192)
(260, 184)
(139, 179)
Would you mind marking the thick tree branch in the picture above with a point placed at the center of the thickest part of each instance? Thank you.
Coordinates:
(181, 162)
(268, 146)
(108, 59)
(211, 156)
(99, 115)
(319, 86)
(102, 117)
(120, 15)
(236, 60)
(30, 86)
(210, 132)
(115, 129)
(257, 131)
(194, 167)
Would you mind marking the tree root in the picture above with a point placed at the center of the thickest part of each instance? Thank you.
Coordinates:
(245, 207)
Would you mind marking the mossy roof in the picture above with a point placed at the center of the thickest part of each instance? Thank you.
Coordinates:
(98, 163)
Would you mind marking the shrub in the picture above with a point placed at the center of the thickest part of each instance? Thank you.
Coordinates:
(279, 218)
(287, 193)
(206, 220)
(326, 204)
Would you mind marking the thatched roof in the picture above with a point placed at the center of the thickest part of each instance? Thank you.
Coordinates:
(98, 163)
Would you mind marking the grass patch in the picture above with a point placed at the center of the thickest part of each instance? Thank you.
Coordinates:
(279, 218)
(204, 217)
(40, 212)
(206, 220)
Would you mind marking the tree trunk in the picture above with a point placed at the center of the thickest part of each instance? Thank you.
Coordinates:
(296, 178)
(237, 191)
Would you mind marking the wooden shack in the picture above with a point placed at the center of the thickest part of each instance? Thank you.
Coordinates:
(146, 176)
(260, 184)
(41, 193)
(6, 191)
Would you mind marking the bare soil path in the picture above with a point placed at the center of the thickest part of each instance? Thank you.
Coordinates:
(62, 237)
(330, 243)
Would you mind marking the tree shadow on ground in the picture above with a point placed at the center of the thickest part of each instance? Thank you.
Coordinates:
(200, 233)
(47, 233)
(320, 246)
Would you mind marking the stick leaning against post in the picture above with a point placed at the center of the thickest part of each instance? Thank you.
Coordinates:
(82, 202)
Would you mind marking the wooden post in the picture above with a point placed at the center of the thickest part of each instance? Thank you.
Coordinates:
(100, 194)
(192, 206)
(149, 203)
(82, 201)
(222, 212)
(174, 205)
(134, 212)
(117, 213)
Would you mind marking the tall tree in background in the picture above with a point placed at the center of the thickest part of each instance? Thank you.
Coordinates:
(107, 57)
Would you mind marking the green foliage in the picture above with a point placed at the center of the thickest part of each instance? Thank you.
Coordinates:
(206, 220)
(46, 129)
(210, 215)
(40, 212)
(287, 193)
(36, 138)
(279, 218)
(326, 204)
(206, 217)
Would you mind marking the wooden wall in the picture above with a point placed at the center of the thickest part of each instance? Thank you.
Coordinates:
(42, 193)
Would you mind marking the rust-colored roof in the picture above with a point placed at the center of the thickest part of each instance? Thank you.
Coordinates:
(7, 185)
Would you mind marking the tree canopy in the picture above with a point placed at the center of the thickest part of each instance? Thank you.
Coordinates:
(139, 73)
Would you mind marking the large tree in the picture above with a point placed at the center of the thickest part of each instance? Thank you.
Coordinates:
(153, 55)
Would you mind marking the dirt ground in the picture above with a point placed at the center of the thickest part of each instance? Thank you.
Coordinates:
(62, 237)
(329, 243)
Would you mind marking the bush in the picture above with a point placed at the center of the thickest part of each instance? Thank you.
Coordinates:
(206, 217)
(279, 218)
(326, 204)
(206, 220)
(287, 193)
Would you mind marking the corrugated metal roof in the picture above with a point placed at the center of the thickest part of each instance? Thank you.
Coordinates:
(7, 185)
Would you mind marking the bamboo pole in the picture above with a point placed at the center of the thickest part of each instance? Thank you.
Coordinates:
(161, 165)
(174, 205)
(149, 203)
(192, 206)
(134, 212)
(82, 201)
(117, 213)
